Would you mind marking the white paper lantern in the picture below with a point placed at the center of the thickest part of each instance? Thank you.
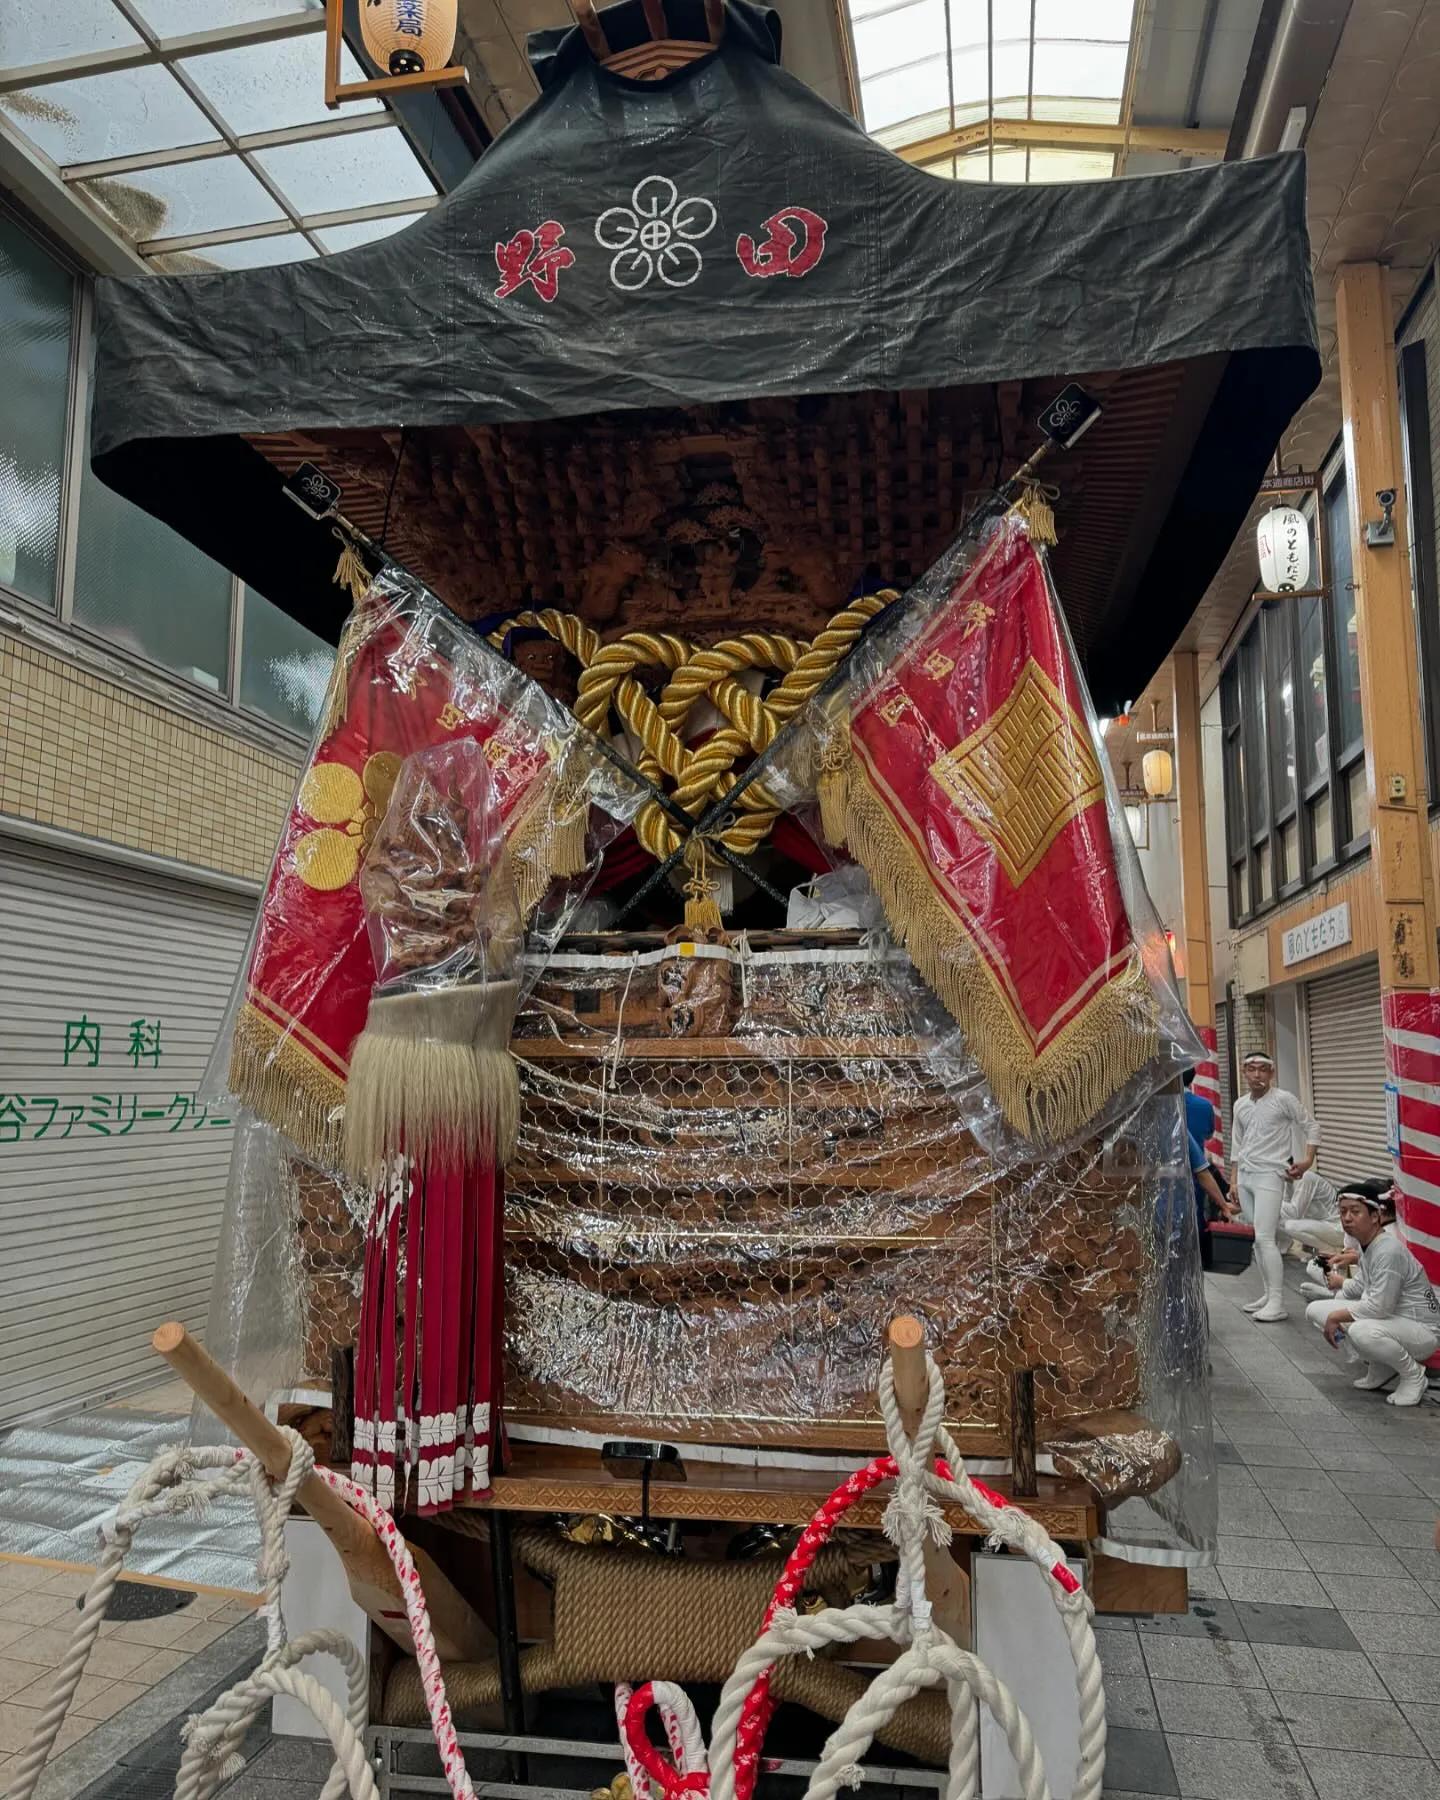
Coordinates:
(1158, 773)
(408, 37)
(1284, 543)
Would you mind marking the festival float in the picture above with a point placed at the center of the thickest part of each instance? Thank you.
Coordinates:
(706, 932)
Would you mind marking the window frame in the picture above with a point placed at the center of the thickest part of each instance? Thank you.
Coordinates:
(69, 468)
(224, 707)
(1344, 758)
(1420, 512)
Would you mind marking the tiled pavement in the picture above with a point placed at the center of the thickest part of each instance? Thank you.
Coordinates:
(37, 1615)
(1308, 1667)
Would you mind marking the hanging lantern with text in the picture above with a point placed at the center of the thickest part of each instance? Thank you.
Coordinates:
(1157, 772)
(1283, 539)
(408, 37)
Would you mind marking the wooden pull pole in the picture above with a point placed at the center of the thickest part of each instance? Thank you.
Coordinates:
(947, 1585)
(460, 1633)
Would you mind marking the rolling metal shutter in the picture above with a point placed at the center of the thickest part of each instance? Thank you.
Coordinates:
(112, 1173)
(1347, 1072)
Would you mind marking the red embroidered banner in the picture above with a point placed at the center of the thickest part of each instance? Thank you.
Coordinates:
(308, 986)
(969, 788)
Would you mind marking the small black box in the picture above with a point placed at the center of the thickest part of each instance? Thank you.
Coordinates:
(1231, 1247)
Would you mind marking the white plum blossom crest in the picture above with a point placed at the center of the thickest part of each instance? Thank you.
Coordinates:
(655, 235)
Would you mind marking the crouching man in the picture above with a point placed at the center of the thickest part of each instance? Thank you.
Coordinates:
(1386, 1315)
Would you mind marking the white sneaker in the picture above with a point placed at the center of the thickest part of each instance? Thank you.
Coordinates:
(1314, 1290)
(1314, 1271)
(1270, 1315)
(1374, 1377)
(1254, 1306)
(1411, 1388)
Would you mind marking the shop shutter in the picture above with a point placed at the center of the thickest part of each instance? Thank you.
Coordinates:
(1225, 1057)
(1347, 1072)
(112, 1173)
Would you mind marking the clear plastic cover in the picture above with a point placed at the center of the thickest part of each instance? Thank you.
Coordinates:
(715, 1211)
(969, 690)
(440, 903)
(409, 676)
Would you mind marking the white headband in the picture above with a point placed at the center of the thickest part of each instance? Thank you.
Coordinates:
(1258, 1056)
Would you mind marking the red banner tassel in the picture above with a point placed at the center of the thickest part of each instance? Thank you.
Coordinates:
(432, 1109)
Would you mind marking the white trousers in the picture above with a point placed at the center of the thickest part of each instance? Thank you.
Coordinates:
(1316, 1234)
(1393, 1343)
(1261, 1196)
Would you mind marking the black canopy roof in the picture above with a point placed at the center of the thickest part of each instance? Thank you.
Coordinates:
(657, 264)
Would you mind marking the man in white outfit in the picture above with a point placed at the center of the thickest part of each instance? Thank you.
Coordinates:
(1310, 1214)
(1386, 1315)
(1273, 1141)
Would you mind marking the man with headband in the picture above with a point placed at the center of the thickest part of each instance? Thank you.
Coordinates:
(1386, 1315)
(1269, 1128)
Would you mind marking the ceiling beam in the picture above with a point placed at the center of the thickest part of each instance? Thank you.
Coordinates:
(34, 181)
(234, 234)
(1063, 134)
(133, 56)
(343, 125)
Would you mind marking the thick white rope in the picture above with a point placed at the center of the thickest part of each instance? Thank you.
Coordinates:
(172, 1484)
(915, 1515)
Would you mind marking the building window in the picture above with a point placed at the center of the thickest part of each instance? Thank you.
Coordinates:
(284, 669)
(1296, 799)
(75, 547)
(143, 587)
(37, 312)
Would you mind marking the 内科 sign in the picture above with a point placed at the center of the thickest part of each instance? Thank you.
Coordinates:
(70, 1110)
(1313, 937)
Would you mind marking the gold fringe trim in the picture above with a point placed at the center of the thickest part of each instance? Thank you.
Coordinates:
(350, 571)
(1053, 1095)
(833, 787)
(430, 1077)
(285, 1086)
(548, 840)
(347, 653)
(1035, 507)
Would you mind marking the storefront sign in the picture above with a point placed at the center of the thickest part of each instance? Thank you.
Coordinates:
(1326, 931)
(67, 1110)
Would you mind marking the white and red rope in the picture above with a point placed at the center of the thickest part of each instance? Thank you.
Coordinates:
(745, 1706)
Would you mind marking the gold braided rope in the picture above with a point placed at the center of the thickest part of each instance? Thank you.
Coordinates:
(697, 778)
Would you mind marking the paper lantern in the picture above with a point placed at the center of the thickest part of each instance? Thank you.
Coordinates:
(408, 37)
(1158, 772)
(1284, 543)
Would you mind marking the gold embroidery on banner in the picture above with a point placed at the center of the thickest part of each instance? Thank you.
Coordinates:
(1025, 774)
(892, 708)
(937, 665)
(977, 615)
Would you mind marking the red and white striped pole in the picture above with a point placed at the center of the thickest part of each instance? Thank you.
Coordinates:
(1412, 1062)
(1207, 1085)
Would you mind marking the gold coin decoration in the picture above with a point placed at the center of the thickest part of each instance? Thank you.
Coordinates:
(327, 859)
(331, 793)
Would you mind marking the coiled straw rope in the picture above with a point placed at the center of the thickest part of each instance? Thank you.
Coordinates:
(697, 778)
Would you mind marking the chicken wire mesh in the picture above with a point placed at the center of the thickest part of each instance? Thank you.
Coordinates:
(734, 1170)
